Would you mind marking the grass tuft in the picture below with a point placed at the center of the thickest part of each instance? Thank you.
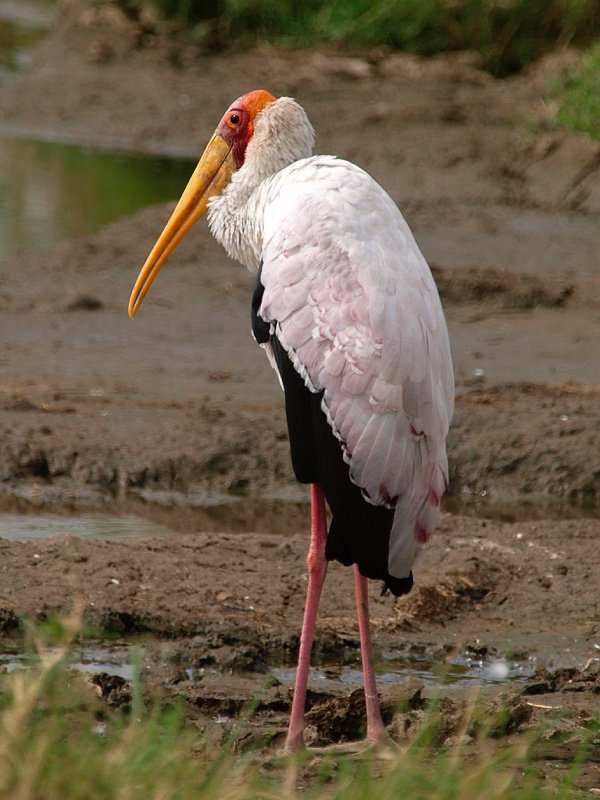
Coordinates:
(577, 96)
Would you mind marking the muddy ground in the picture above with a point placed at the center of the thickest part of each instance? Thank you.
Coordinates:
(177, 416)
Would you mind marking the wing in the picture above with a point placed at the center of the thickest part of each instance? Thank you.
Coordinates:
(353, 302)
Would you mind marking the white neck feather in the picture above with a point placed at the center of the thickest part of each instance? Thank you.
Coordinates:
(282, 135)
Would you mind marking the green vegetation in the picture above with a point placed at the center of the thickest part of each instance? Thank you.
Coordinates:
(58, 741)
(578, 96)
(507, 33)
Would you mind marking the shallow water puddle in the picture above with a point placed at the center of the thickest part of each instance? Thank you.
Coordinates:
(31, 527)
(94, 659)
(462, 670)
(496, 507)
(177, 513)
(51, 191)
(115, 659)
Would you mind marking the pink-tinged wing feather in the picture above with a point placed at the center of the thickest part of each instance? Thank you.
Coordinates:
(357, 309)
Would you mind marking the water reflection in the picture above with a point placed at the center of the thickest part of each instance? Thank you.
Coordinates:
(51, 191)
(459, 672)
(32, 527)
(98, 657)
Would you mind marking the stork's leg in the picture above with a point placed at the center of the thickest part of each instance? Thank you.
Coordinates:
(375, 730)
(317, 569)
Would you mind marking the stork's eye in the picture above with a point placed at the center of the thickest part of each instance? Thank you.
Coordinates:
(234, 120)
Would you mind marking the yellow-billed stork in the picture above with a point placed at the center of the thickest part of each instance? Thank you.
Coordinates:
(348, 313)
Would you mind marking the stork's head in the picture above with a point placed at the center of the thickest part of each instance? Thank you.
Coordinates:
(236, 128)
(252, 124)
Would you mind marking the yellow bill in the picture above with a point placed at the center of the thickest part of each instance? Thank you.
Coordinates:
(210, 177)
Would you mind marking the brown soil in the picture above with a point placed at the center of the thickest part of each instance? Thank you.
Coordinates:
(164, 416)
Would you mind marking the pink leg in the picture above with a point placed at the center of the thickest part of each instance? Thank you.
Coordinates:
(375, 729)
(317, 569)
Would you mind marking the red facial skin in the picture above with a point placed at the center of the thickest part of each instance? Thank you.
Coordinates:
(237, 125)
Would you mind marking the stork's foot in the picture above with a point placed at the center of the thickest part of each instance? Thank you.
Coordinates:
(383, 747)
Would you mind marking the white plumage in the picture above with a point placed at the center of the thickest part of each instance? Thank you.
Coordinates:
(359, 314)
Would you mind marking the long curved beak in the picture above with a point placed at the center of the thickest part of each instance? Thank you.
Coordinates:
(210, 177)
